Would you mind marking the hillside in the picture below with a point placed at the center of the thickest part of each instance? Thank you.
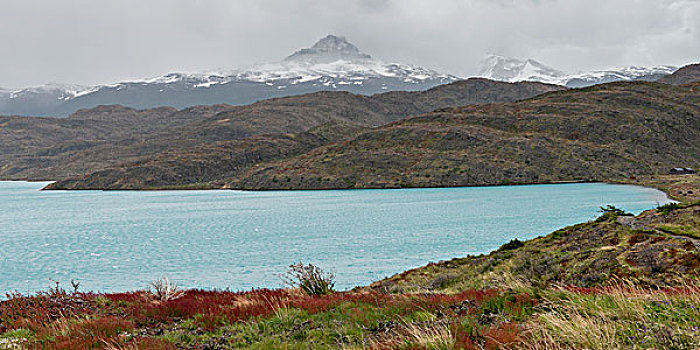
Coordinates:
(204, 165)
(659, 247)
(685, 75)
(273, 118)
(50, 148)
(607, 132)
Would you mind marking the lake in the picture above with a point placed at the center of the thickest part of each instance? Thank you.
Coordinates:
(122, 240)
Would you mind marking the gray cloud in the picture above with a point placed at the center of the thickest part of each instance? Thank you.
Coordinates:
(88, 42)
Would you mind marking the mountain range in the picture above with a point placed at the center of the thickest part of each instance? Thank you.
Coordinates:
(331, 64)
(512, 70)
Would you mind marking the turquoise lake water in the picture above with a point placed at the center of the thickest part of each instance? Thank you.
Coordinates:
(121, 240)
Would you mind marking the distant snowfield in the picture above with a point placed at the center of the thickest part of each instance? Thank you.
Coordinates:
(513, 70)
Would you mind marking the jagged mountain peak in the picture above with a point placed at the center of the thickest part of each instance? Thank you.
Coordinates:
(334, 42)
(329, 49)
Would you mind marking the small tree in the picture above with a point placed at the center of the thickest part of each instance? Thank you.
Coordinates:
(165, 290)
(310, 278)
(610, 213)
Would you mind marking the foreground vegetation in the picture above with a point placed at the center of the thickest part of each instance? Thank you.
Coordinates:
(517, 316)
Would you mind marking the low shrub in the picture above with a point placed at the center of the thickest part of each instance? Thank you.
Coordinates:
(668, 208)
(310, 278)
(610, 213)
(513, 244)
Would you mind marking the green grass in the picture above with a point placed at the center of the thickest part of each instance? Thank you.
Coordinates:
(19, 333)
(682, 230)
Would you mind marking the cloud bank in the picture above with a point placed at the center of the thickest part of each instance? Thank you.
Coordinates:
(91, 42)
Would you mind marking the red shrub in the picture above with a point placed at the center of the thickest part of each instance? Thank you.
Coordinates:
(504, 334)
(82, 334)
(32, 312)
(130, 297)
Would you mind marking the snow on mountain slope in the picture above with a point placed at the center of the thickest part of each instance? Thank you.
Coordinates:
(510, 69)
(60, 91)
(332, 63)
(620, 74)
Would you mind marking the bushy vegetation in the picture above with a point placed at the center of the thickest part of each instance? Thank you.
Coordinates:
(310, 278)
(518, 316)
(620, 316)
(513, 244)
(668, 208)
(610, 213)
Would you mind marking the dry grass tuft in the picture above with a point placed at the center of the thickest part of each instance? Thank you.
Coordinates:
(622, 315)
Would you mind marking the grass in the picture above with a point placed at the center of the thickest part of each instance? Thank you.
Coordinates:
(264, 319)
(622, 316)
(618, 315)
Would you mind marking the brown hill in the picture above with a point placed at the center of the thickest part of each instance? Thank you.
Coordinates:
(685, 75)
(301, 113)
(190, 143)
(50, 148)
(606, 132)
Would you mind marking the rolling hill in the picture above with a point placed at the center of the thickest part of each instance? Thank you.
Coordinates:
(607, 132)
(116, 136)
(602, 133)
(686, 75)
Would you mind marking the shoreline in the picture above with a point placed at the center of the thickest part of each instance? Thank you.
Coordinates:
(662, 183)
(213, 188)
(658, 182)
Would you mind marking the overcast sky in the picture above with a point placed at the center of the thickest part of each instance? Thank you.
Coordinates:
(103, 41)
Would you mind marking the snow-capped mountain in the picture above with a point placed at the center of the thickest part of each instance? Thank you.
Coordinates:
(510, 69)
(620, 74)
(331, 64)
